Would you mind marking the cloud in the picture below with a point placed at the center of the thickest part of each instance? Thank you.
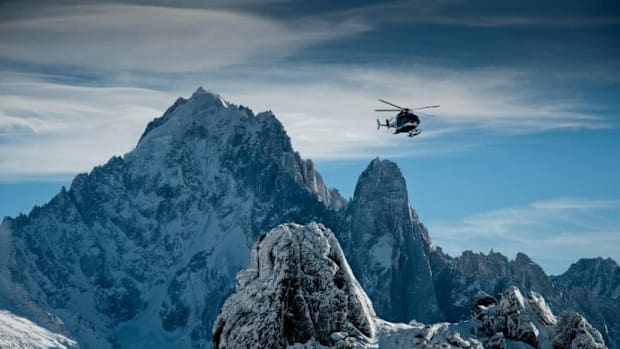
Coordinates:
(326, 109)
(51, 129)
(110, 68)
(485, 14)
(120, 37)
(555, 233)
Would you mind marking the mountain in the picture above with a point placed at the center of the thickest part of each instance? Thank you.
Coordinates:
(590, 286)
(299, 292)
(459, 279)
(387, 246)
(142, 251)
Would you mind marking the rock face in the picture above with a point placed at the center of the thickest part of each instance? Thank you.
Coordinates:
(300, 292)
(574, 331)
(514, 316)
(590, 286)
(457, 280)
(531, 321)
(142, 251)
(298, 288)
(387, 246)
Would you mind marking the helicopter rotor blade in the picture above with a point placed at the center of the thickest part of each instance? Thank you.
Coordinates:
(429, 106)
(427, 115)
(392, 104)
(388, 110)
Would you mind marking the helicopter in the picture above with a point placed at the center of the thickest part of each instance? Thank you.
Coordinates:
(405, 120)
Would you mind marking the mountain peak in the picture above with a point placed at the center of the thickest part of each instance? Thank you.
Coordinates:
(601, 275)
(386, 237)
(382, 177)
(523, 259)
(207, 96)
(384, 164)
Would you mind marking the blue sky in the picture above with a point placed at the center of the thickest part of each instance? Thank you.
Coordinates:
(522, 156)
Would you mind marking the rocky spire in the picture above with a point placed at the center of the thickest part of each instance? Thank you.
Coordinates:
(387, 248)
(298, 288)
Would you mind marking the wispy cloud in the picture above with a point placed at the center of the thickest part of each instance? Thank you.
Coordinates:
(121, 37)
(49, 129)
(326, 109)
(555, 233)
(138, 59)
(472, 14)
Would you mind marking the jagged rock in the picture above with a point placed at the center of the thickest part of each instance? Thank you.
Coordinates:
(531, 321)
(298, 288)
(575, 332)
(497, 341)
(299, 292)
(590, 286)
(387, 246)
(481, 304)
(541, 308)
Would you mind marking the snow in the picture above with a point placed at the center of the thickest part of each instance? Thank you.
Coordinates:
(382, 251)
(142, 251)
(20, 333)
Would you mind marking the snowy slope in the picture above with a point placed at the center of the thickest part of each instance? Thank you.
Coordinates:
(19, 333)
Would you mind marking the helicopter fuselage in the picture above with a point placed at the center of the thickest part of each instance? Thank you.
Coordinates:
(406, 122)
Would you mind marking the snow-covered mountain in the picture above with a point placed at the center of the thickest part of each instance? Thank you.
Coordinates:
(299, 292)
(142, 251)
(590, 286)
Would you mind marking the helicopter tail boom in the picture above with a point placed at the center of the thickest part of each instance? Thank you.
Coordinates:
(387, 124)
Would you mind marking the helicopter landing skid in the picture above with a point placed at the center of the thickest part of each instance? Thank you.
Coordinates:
(414, 133)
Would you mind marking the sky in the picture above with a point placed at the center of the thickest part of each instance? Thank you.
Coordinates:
(522, 155)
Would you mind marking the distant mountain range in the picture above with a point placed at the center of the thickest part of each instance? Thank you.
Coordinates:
(143, 251)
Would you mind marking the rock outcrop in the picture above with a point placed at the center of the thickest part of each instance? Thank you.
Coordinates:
(530, 320)
(388, 248)
(298, 288)
(299, 292)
